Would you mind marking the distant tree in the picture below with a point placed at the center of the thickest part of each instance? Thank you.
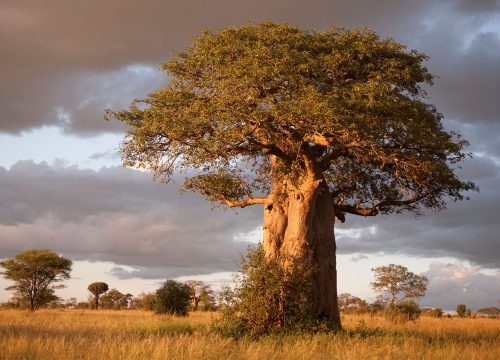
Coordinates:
(468, 312)
(436, 312)
(97, 289)
(196, 286)
(207, 299)
(114, 299)
(226, 296)
(201, 293)
(461, 310)
(35, 274)
(491, 311)
(398, 283)
(145, 301)
(82, 305)
(349, 303)
(173, 297)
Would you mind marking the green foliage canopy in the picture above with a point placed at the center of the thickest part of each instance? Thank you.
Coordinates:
(173, 297)
(114, 299)
(35, 274)
(348, 102)
(98, 288)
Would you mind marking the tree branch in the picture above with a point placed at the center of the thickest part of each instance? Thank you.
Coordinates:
(372, 211)
(245, 202)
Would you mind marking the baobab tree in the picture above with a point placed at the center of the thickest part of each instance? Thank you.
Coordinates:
(97, 289)
(310, 125)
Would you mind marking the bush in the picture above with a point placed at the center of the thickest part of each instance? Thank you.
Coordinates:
(267, 299)
(437, 313)
(173, 298)
(461, 310)
(403, 311)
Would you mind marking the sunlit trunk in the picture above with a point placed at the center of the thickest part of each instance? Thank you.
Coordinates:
(299, 224)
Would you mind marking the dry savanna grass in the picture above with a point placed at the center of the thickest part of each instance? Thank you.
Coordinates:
(107, 334)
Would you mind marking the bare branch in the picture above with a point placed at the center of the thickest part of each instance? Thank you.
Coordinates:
(245, 202)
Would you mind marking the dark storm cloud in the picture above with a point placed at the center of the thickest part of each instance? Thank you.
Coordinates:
(64, 62)
(117, 215)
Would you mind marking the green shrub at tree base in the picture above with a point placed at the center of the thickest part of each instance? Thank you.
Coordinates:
(268, 299)
(173, 298)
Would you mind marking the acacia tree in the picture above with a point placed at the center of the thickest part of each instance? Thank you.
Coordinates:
(35, 273)
(311, 125)
(399, 283)
(97, 289)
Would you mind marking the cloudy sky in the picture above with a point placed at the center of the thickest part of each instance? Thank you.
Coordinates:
(62, 186)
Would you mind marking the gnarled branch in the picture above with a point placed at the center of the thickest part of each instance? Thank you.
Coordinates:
(245, 202)
(374, 210)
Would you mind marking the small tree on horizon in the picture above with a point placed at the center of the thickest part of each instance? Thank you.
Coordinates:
(35, 273)
(395, 280)
(461, 310)
(97, 289)
(115, 299)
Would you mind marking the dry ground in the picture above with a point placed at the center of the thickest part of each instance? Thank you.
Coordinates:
(77, 334)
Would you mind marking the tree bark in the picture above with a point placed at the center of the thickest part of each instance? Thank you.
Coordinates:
(96, 302)
(299, 224)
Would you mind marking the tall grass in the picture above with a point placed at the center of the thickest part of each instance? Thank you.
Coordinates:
(77, 334)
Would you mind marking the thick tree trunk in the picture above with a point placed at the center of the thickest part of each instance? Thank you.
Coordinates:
(96, 302)
(299, 224)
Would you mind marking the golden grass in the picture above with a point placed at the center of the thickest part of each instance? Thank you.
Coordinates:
(77, 334)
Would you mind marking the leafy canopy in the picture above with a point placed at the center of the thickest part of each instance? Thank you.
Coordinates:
(34, 273)
(350, 103)
(98, 288)
(173, 298)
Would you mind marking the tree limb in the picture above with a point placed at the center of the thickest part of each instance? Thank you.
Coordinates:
(372, 211)
(245, 202)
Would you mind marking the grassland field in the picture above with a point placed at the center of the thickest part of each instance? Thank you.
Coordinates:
(110, 334)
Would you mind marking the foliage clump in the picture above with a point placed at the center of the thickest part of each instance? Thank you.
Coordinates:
(144, 301)
(116, 300)
(403, 311)
(436, 312)
(349, 304)
(461, 310)
(173, 298)
(202, 296)
(268, 298)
